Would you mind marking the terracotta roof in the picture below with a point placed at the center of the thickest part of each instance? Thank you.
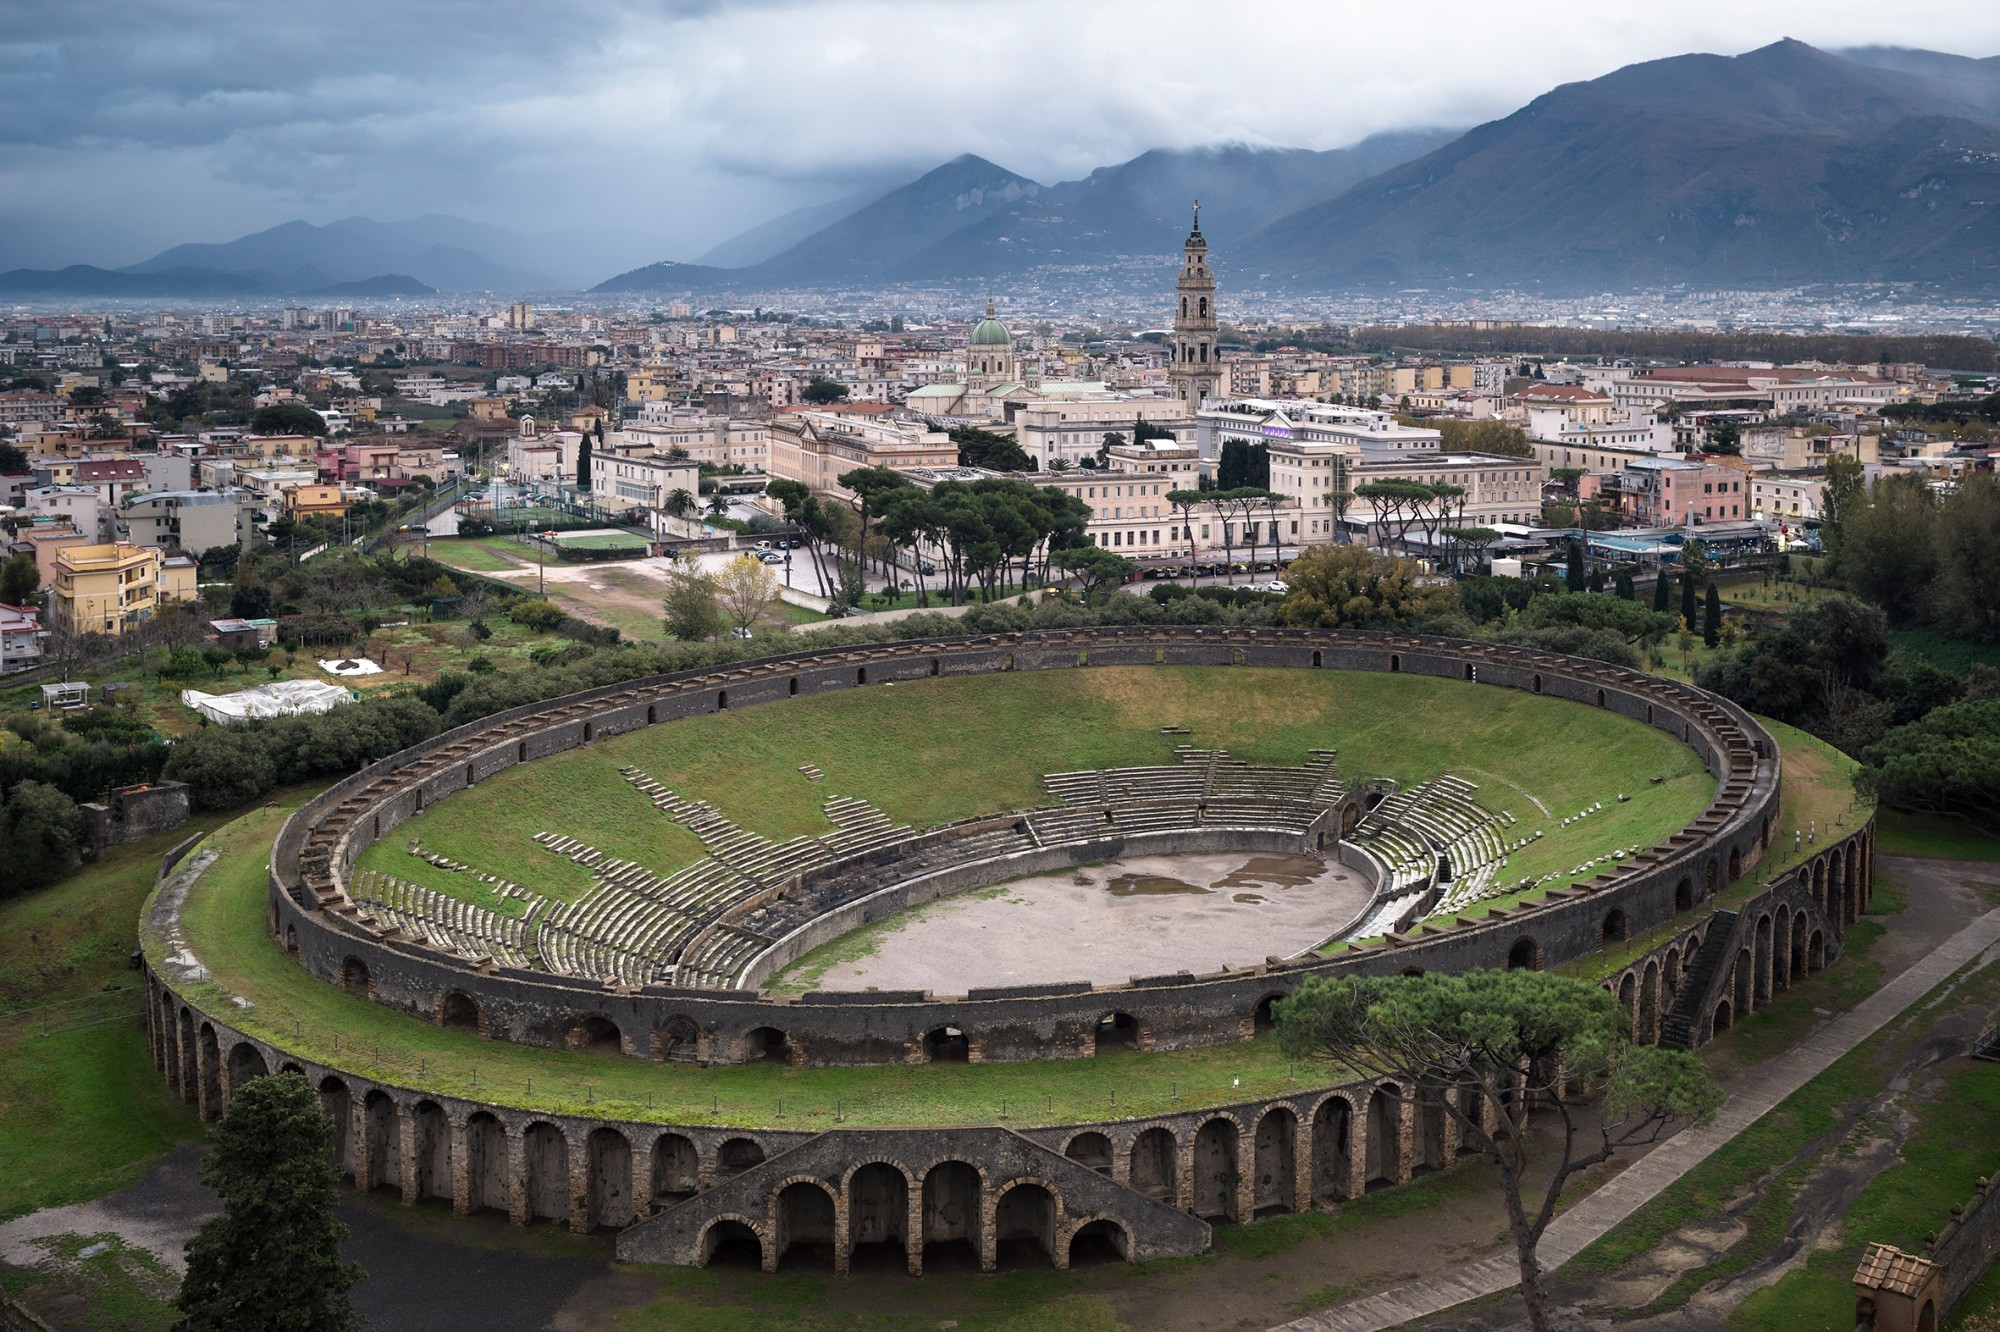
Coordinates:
(1890, 1269)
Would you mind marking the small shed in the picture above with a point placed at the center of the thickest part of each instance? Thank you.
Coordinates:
(1895, 1291)
(68, 696)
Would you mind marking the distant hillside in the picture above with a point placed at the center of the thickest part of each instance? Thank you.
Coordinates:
(1786, 165)
(388, 284)
(298, 256)
(780, 233)
(86, 280)
(1141, 207)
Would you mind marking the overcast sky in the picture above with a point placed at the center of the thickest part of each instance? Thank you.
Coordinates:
(126, 127)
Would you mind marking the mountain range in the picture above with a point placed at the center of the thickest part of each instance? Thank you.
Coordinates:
(1784, 166)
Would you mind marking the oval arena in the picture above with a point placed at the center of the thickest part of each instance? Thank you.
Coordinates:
(669, 978)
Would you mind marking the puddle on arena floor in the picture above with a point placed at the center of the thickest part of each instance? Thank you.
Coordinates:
(1273, 872)
(1148, 885)
(1248, 899)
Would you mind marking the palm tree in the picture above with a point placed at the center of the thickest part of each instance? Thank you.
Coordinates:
(679, 504)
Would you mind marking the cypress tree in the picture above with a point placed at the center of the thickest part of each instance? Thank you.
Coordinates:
(1711, 618)
(583, 464)
(1662, 589)
(1573, 568)
(1622, 585)
(272, 1259)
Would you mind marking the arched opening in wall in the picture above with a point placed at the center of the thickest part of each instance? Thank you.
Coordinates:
(607, 1159)
(1735, 864)
(420, 800)
(378, 827)
(1764, 968)
(458, 1011)
(1741, 981)
(767, 1045)
(1153, 1171)
(1722, 1017)
(731, 1243)
(354, 977)
(597, 1034)
(289, 1067)
(190, 1067)
(338, 1102)
(292, 940)
(545, 1161)
(485, 1162)
(211, 1073)
(382, 1143)
(1276, 1151)
(737, 1155)
(1266, 1016)
(947, 1045)
(1601, 700)
(521, 752)
(1429, 1152)
(1395, 662)
(792, 687)
(1091, 1151)
(1684, 895)
(937, 666)
(676, 1169)
(1215, 1173)
(245, 1062)
(1384, 1164)
(677, 1040)
(861, 675)
(1024, 1228)
(1538, 682)
(1471, 671)
(1332, 1143)
(1672, 974)
(1616, 929)
(878, 1218)
(1927, 1317)
(1318, 659)
(653, 714)
(1649, 714)
(951, 1217)
(589, 732)
(1115, 1031)
(1099, 1242)
(1798, 972)
(722, 700)
(432, 1141)
(468, 774)
(1525, 955)
(1628, 999)
(1649, 1006)
(1815, 952)
(1007, 662)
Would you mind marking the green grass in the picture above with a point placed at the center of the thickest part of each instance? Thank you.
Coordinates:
(223, 925)
(606, 541)
(1932, 835)
(72, 1042)
(480, 554)
(1957, 655)
(931, 751)
(122, 1289)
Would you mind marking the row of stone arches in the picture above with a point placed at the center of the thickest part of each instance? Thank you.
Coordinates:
(884, 1215)
(1780, 949)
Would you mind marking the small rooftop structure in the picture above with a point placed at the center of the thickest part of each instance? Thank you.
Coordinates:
(66, 696)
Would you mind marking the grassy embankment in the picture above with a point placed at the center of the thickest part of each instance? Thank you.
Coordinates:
(928, 752)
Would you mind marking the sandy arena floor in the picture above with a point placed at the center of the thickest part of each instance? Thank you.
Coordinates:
(1142, 916)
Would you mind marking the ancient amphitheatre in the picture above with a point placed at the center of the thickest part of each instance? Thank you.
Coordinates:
(549, 964)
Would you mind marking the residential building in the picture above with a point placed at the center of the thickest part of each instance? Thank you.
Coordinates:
(21, 638)
(78, 506)
(1786, 496)
(114, 587)
(1665, 492)
(192, 522)
(816, 447)
(622, 481)
(312, 501)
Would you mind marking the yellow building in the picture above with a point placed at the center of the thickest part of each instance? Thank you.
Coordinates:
(114, 587)
(311, 501)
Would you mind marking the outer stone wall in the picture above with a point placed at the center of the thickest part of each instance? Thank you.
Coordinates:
(313, 916)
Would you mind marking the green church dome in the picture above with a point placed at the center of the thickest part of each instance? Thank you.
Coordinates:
(990, 332)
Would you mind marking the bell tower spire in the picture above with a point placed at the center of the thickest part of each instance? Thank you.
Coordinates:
(1197, 370)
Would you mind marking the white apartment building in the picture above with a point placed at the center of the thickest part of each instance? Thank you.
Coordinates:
(1786, 497)
(1073, 427)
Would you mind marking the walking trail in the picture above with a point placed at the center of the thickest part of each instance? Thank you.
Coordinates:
(1755, 1096)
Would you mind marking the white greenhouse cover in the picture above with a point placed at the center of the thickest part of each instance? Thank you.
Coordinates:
(280, 698)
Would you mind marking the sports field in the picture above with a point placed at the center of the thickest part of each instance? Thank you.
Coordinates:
(931, 751)
(601, 541)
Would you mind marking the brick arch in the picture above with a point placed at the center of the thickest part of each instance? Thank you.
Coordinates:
(1075, 1226)
(704, 1245)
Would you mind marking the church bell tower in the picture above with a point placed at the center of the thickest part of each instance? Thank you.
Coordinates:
(1197, 370)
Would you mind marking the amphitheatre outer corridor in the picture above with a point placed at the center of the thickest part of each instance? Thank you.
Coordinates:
(1136, 1148)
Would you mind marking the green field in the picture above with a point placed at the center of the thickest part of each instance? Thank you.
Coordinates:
(931, 751)
(603, 541)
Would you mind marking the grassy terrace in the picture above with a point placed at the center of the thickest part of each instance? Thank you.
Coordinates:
(223, 927)
(1818, 793)
(928, 752)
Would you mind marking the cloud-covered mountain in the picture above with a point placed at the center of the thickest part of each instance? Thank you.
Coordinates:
(441, 252)
(970, 218)
(1782, 166)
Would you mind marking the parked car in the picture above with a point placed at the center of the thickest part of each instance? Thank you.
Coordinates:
(1277, 585)
(929, 570)
(740, 633)
(770, 557)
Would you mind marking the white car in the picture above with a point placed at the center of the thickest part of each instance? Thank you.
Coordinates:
(770, 557)
(1277, 585)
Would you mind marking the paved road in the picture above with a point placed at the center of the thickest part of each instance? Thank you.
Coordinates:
(1639, 1183)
